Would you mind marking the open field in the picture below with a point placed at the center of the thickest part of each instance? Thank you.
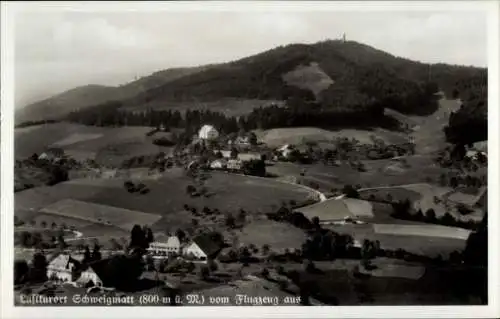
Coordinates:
(310, 77)
(279, 236)
(338, 209)
(59, 220)
(168, 194)
(390, 194)
(76, 138)
(85, 142)
(421, 169)
(424, 230)
(108, 215)
(394, 236)
(428, 131)
(83, 201)
(394, 270)
(300, 135)
(36, 198)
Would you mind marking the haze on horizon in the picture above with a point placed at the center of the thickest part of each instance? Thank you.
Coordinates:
(57, 51)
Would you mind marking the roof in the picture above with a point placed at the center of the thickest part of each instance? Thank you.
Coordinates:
(171, 241)
(207, 244)
(99, 267)
(63, 261)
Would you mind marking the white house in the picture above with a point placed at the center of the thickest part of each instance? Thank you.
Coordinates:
(62, 268)
(43, 156)
(208, 132)
(201, 248)
(218, 164)
(165, 248)
(242, 140)
(89, 277)
(286, 150)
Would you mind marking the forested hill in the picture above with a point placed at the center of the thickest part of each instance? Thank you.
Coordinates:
(90, 95)
(330, 76)
(359, 75)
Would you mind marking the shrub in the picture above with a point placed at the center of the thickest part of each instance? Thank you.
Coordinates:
(190, 189)
(463, 210)
(265, 273)
(350, 191)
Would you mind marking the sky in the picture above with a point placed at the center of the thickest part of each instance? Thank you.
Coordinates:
(59, 50)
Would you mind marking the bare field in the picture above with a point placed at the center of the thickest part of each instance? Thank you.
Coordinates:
(424, 230)
(102, 214)
(76, 138)
(310, 77)
(279, 236)
(338, 209)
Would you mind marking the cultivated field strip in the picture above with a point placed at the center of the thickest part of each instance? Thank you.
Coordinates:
(76, 138)
(358, 207)
(336, 209)
(101, 214)
(422, 230)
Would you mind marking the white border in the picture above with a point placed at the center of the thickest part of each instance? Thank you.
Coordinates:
(8, 311)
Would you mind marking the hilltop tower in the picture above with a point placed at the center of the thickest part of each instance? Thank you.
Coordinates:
(343, 37)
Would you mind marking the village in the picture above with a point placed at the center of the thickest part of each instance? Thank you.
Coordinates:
(197, 261)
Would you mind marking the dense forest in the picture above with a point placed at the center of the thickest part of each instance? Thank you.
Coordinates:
(470, 123)
(110, 114)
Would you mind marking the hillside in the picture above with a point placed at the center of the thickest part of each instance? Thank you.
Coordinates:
(350, 74)
(321, 83)
(90, 95)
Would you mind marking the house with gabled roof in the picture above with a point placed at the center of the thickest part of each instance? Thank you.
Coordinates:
(202, 248)
(63, 268)
(94, 274)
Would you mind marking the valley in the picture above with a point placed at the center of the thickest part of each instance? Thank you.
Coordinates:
(324, 173)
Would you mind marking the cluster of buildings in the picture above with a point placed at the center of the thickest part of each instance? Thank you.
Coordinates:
(65, 268)
(68, 269)
(199, 249)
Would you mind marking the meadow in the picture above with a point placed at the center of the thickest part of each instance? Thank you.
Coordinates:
(100, 214)
(338, 209)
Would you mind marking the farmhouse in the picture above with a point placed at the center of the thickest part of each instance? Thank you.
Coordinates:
(62, 268)
(94, 274)
(208, 132)
(164, 249)
(201, 248)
